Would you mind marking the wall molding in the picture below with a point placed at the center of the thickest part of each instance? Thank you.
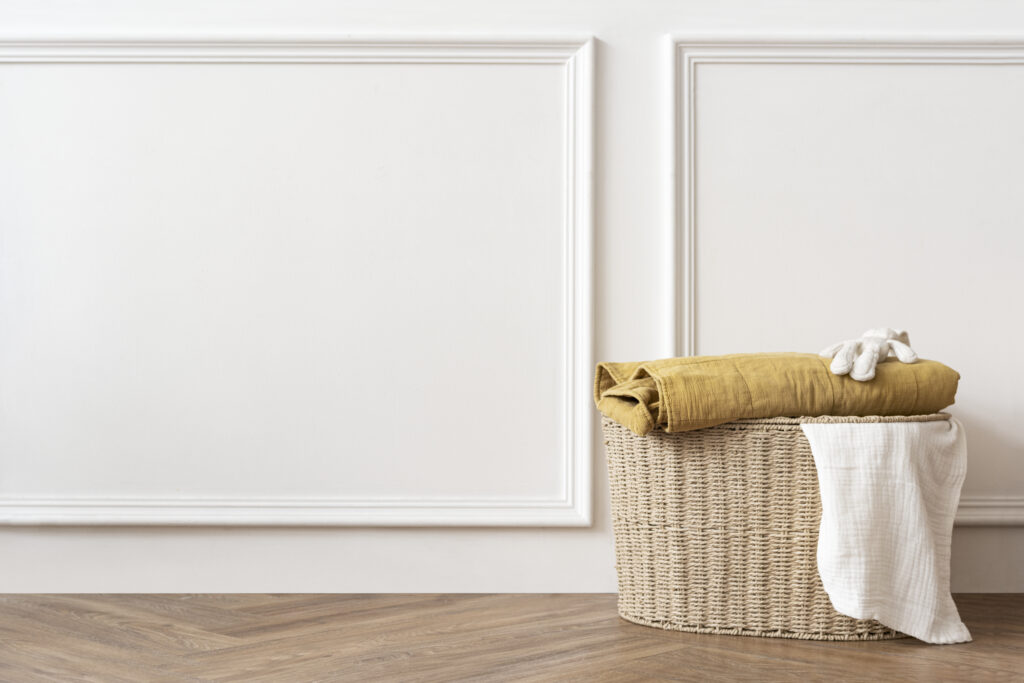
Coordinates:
(574, 506)
(688, 53)
(991, 511)
(272, 511)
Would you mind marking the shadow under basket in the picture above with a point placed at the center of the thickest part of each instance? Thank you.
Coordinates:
(716, 530)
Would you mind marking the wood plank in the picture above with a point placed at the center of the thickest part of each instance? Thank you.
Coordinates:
(112, 623)
(444, 638)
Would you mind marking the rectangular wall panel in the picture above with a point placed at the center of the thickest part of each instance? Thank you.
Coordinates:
(828, 187)
(295, 282)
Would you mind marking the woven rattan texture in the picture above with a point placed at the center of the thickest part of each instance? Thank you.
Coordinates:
(716, 531)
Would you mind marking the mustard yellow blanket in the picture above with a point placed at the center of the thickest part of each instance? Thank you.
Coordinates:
(692, 393)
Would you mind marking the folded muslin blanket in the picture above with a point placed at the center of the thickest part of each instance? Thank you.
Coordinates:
(889, 492)
(692, 393)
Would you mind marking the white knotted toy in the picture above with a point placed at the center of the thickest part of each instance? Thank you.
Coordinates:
(858, 357)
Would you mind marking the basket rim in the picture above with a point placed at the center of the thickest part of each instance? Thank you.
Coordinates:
(784, 422)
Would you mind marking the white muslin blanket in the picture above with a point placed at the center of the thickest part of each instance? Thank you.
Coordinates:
(889, 492)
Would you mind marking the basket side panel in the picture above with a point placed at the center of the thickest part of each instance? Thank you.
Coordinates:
(716, 530)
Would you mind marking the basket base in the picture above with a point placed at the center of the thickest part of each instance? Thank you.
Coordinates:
(739, 631)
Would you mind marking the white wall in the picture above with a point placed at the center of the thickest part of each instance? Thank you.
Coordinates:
(280, 187)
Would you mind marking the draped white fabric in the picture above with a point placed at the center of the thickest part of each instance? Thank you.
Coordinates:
(889, 492)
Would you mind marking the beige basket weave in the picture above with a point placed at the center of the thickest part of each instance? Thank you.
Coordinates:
(716, 530)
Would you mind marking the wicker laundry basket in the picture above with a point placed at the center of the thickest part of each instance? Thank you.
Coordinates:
(716, 530)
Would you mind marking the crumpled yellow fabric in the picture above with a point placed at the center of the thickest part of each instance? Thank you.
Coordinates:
(702, 391)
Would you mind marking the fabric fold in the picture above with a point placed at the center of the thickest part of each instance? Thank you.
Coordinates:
(889, 493)
(681, 394)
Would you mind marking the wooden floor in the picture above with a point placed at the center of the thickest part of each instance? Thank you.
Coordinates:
(292, 638)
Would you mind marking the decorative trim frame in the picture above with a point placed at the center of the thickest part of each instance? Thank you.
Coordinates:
(990, 511)
(574, 506)
(688, 52)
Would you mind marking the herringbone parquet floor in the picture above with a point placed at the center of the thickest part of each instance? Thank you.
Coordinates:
(234, 637)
